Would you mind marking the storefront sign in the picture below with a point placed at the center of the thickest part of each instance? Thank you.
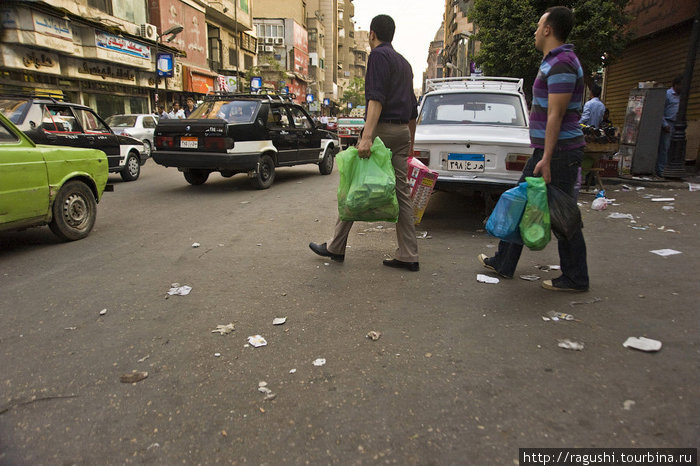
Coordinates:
(228, 83)
(107, 41)
(30, 60)
(255, 83)
(97, 71)
(52, 26)
(164, 64)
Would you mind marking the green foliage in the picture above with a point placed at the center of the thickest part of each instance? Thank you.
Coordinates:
(355, 92)
(506, 31)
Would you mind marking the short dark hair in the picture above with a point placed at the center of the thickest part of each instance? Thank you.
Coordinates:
(596, 90)
(561, 20)
(677, 80)
(384, 27)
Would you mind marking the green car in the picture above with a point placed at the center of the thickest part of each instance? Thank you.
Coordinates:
(54, 185)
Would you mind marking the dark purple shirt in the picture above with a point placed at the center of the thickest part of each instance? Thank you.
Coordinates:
(389, 80)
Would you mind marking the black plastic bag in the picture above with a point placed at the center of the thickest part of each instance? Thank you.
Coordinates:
(564, 213)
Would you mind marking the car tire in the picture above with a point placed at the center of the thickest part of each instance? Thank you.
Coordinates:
(132, 167)
(265, 174)
(325, 166)
(74, 211)
(147, 148)
(196, 177)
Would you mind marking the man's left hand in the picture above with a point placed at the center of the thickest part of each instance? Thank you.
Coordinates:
(542, 168)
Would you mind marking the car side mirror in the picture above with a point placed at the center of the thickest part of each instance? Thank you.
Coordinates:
(32, 125)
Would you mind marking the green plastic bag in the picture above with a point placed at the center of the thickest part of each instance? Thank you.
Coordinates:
(535, 228)
(367, 189)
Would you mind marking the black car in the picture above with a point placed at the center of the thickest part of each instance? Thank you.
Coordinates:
(244, 133)
(46, 120)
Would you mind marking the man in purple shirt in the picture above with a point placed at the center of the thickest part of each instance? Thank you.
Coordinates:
(391, 115)
(558, 141)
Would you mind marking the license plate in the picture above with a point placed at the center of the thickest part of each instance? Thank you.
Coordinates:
(466, 162)
(188, 143)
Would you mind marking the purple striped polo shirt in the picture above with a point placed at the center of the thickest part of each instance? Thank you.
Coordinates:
(560, 73)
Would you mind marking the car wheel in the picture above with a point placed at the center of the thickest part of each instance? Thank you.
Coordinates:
(74, 211)
(326, 165)
(196, 177)
(147, 148)
(132, 168)
(265, 174)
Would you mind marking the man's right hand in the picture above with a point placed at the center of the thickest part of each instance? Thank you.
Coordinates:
(364, 148)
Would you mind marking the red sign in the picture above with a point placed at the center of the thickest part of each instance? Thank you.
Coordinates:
(193, 39)
(301, 50)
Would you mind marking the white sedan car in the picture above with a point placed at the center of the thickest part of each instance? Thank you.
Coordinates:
(474, 132)
(136, 125)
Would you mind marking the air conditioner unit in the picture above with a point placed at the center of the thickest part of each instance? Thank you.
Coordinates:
(148, 31)
(279, 41)
(269, 40)
(269, 48)
(261, 48)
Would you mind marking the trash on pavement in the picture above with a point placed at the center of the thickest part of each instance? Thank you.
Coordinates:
(663, 199)
(224, 329)
(217, 355)
(556, 315)
(279, 320)
(642, 344)
(133, 377)
(257, 341)
(486, 279)
(143, 358)
(319, 362)
(627, 405)
(103, 312)
(665, 252)
(626, 188)
(423, 235)
(590, 301)
(270, 396)
(176, 289)
(153, 445)
(531, 278)
(374, 336)
(668, 207)
(693, 186)
(599, 203)
(547, 268)
(292, 371)
(570, 345)
(196, 245)
(620, 215)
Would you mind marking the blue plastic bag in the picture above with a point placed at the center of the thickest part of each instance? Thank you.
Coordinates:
(367, 189)
(505, 219)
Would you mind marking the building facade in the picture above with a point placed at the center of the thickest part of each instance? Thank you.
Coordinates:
(459, 47)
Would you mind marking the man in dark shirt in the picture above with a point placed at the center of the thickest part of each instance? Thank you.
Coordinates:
(391, 115)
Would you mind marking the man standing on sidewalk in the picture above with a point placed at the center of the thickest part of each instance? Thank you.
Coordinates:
(673, 99)
(391, 116)
(558, 142)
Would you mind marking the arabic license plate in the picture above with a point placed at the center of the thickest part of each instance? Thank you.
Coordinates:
(188, 143)
(466, 162)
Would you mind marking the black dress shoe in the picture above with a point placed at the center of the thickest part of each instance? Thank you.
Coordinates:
(321, 250)
(397, 264)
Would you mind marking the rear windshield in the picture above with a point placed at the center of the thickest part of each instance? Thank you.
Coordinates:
(14, 109)
(472, 108)
(122, 121)
(236, 111)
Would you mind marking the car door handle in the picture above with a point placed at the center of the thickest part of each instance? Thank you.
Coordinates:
(51, 137)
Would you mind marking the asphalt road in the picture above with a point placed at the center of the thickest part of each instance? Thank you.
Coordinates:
(464, 372)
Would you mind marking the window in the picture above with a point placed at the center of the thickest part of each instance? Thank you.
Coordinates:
(59, 119)
(278, 118)
(102, 5)
(300, 119)
(91, 124)
(149, 122)
(473, 108)
(6, 135)
(232, 56)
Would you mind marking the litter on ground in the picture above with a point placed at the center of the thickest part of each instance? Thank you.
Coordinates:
(642, 344)
(195, 245)
(620, 215)
(224, 329)
(257, 341)
(486, 279)
(663, 199)
(570, 345)
(374, 336)
(665, 252)
(176, 289)
(556, 316)
(319, 362)
(531, 278)
(590, 301)
(133, 377)
(279, 320)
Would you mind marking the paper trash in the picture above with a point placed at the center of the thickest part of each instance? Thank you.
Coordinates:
(223, 329)
(180, 290)
(642, 344)
(257, 341)
(665, 252)
(619, 215)
(319, 362)
(486, 279)
(663, 199)
(279, 320)
(568, 344)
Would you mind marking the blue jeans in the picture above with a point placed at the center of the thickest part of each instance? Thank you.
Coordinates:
(572, 252)
(664, 144)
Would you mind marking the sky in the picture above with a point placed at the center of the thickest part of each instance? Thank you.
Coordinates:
(417, 21)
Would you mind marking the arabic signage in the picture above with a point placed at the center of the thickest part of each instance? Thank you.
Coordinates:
(30, 60)
(99, 71)
(52, 26)
(164, 64)
(31, 28)
(301, 50)
(105, 40)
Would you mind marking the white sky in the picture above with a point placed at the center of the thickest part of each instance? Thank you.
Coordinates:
(417, 21)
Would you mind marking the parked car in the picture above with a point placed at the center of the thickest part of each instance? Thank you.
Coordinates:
(474, 132)
(46, 120)
(42, 184)
(349, 130)
(137, 125)
(243, 133)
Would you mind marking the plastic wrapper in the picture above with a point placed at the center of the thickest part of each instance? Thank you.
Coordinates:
(535, 228)
(367, 189)
(564, 214)
(505, 218)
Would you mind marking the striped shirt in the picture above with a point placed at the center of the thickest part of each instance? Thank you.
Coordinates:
(560, 73)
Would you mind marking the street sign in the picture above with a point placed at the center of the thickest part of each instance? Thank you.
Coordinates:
(165, 64)
(255, 83)
(309, 98)
(326, 102)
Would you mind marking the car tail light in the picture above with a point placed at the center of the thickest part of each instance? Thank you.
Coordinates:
(516, 162)
(422, 154)
(218, 144)
(165, 142)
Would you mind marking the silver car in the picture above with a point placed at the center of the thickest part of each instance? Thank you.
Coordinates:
(136, 125)
(474, 132)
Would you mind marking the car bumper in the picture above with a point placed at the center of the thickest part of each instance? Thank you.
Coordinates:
(214, 161)
(474, 183)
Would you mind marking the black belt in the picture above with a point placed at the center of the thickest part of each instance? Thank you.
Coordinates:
(395, 122)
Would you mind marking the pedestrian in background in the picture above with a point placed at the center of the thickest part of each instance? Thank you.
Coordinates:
(190, 107)
(558, 141)
(391, 113)
(594, 109)
(162, 114)
(673, 99)
(176, 112)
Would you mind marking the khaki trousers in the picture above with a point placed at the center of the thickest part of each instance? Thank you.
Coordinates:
(398, 139)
